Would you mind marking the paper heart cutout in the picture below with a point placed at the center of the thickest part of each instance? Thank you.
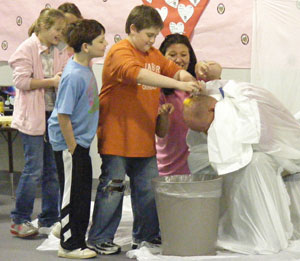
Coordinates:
(173, 3)
(176, 15)
(194, 2)
(163, 12)
(176, 28)
(185, 12)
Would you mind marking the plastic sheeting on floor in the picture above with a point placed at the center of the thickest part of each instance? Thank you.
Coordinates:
(122, 237)
(148, 254)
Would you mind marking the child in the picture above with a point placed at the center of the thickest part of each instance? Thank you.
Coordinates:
(71, 11)
(73, 14)
(129, 99)
(72, 127)
(37, 64)
(172, 150)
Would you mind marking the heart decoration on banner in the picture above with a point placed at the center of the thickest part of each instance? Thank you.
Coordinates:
(176, 28)
(179, 16)
(173, 3)
(163, 12)
(185, 12)
(194, 2)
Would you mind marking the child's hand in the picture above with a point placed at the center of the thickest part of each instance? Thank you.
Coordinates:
(162, 123)
(72, 148)
(56, 80)
(201, 91)
(165, 109)
(192, 87)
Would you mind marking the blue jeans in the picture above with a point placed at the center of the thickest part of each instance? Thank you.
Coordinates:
(39, 167)
(109, 199)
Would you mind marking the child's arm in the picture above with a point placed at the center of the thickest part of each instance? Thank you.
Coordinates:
(67, 131)
(162, 122)
(184, 76)
(45, 83)
(208, 70)
(23, 67)
(148, 77)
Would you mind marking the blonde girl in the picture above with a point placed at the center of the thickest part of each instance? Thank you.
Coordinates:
(37, 65)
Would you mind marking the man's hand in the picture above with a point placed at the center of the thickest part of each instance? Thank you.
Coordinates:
(208, 71)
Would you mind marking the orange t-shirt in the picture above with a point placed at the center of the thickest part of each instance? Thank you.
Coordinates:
(128, 110)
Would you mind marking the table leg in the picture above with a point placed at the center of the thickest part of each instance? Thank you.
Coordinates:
(11, 163)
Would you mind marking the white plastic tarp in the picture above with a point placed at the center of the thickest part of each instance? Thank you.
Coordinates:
(255, 215)
(271, 128)
(275, 61)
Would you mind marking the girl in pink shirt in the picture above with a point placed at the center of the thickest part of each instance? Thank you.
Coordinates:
(37, 65)
(172, 151)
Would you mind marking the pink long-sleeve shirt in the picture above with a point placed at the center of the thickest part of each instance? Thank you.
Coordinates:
(29, 106)
(172, 150)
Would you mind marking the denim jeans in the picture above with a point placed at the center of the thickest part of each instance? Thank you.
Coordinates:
(39, 168)
(109, 198)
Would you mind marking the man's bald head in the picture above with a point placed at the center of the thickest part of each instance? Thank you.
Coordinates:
(198, 112)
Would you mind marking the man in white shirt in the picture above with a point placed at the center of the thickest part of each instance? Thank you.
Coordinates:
(251, 140)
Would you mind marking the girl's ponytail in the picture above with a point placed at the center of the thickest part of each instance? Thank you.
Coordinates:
(31, 29)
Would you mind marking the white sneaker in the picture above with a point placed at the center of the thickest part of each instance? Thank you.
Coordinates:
(56, 229)
(78, 253)
(25, 229)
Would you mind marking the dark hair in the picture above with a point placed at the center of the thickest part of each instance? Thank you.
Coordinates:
(179, 39)
(143, 16)
(70, 8)
(83, 31)
(47, 17)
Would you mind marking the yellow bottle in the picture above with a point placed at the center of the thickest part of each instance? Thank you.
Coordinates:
(1, 108)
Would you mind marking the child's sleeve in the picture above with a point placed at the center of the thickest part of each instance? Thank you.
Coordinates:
(68, 95)
(125, 65)
(22, 65)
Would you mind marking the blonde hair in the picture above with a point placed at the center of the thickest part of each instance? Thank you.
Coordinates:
(48, 17)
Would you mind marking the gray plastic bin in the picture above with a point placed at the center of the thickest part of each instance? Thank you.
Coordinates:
(188, 212)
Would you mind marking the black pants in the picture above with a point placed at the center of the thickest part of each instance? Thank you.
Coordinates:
(75, 179)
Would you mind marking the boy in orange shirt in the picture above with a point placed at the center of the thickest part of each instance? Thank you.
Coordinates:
(129, 100)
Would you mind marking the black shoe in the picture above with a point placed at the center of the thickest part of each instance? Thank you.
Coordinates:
(106, 248)
(155, 242)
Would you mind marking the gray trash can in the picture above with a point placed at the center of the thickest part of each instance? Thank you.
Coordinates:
(188, 212)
